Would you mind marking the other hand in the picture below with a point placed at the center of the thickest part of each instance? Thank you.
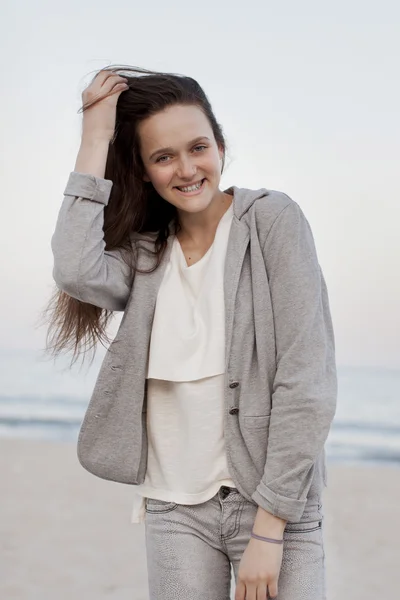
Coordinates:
(259, 571)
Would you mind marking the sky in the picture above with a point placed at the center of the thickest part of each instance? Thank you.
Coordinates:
(308, 96)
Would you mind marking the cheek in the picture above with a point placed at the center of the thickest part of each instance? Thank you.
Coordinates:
(161, 177)
(213, 163)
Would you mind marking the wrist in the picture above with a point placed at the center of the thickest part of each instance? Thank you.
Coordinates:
(92, 156)
(268, 525)
(93, 140)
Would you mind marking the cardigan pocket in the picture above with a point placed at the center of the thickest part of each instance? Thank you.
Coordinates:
(255, 432)
(256, 422)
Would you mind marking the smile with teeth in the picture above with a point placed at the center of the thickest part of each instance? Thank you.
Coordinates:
(191, 188)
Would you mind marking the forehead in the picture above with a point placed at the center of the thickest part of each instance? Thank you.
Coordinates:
(172, 127)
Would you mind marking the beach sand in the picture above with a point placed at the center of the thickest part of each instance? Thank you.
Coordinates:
(67, 534)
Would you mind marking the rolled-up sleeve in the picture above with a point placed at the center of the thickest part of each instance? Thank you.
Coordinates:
(304, 391)
(82, 267)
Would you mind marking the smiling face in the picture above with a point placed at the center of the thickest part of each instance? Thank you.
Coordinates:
(178, 149)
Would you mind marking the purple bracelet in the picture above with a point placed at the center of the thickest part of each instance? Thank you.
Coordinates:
(265, 539)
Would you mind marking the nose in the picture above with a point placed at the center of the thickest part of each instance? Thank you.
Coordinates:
(186, 169)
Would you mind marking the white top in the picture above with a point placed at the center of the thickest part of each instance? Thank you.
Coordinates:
(185, 396)
(188, 333)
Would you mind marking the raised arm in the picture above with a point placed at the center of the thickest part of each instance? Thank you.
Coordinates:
(82, 267)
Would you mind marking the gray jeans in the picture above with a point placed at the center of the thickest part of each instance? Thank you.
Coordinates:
(190, 550)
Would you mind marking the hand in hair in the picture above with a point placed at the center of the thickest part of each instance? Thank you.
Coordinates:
(100, 105)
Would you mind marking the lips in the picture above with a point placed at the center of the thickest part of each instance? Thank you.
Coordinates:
(190, 184)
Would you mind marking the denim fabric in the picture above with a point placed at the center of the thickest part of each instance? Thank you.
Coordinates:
(191, 549)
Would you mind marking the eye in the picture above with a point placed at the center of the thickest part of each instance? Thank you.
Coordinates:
(200, 147)
(159, 159)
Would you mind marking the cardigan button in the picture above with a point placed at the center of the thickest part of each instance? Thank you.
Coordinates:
(234, 411)
(234, 384)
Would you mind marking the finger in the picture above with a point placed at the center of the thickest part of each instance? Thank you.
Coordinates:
(103, 75)
(240, 593)
(273, 590)
(262, 591)
(112, 79)
(110, 85)
(251, 591)
(104, 82)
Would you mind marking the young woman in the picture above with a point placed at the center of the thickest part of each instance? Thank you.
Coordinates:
(216, 396)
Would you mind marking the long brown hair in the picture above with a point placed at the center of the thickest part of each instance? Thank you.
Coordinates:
(134, 205)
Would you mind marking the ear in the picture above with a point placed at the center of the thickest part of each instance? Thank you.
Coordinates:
(146, 178)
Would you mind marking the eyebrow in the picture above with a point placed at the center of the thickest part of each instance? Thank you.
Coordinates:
(165, 150)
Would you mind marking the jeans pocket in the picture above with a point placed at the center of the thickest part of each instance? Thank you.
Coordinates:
(154, 506)
(303, 527)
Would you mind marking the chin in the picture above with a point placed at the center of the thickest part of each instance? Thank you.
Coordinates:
(193, 206)
(193, 211)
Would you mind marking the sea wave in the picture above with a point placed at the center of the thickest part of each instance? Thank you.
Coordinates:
(347, 441)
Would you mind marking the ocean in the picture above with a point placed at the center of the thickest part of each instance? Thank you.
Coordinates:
(46, 403)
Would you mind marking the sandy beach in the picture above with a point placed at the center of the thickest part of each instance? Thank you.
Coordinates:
(67, 534)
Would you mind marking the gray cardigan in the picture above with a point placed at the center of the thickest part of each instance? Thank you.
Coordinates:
(281, 383)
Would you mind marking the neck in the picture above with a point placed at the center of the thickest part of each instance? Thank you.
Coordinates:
(200, 226)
